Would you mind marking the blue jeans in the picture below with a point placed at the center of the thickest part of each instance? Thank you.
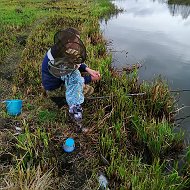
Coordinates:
(74, 83)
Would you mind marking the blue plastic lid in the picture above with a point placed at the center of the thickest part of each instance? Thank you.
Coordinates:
(69, 142)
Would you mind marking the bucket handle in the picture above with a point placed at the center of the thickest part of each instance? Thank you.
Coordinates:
(4, 101)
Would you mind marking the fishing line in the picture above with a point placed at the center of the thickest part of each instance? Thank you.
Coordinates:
(182, 90)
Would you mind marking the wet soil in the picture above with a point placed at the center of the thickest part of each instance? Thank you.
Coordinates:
(7, 71)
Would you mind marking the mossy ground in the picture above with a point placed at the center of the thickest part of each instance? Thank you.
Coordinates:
(131, 139)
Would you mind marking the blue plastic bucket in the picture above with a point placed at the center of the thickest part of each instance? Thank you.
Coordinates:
(14, 107)
(69, 145)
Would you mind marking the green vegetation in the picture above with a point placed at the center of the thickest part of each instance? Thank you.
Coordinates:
(131, 139)
(179, 2)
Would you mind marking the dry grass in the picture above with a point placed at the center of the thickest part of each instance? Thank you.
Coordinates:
(31, 179)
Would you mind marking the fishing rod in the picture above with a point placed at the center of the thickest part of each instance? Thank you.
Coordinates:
(102, 97)
(135, 94)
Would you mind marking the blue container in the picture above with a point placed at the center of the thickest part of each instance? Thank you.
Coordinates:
(14, 107)
(69, 145)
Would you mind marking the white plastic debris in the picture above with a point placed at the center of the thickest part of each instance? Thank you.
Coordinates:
(18, 129)
(103, 182)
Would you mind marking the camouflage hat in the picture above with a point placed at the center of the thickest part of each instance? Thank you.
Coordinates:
(61, 67)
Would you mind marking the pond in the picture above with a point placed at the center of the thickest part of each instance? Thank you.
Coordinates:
(157, 35)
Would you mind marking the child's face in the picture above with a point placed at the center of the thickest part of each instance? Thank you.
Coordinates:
(74, 44)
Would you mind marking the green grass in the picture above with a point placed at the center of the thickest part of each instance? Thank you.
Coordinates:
(179, 2)
(133, 174)
(159, 137)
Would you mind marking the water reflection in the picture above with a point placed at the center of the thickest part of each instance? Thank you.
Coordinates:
(177, 9)
(174, 9)
(182, 10)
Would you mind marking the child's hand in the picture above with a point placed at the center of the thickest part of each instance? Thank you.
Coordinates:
(95, 75)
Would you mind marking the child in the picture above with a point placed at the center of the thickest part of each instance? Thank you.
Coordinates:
(63, 64)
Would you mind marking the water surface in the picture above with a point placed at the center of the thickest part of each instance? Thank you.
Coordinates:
(158, 34)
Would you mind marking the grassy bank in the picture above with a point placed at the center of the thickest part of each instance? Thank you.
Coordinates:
(179, 2)
(132, 140)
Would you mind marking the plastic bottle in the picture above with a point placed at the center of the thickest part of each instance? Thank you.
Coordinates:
(103, 182)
